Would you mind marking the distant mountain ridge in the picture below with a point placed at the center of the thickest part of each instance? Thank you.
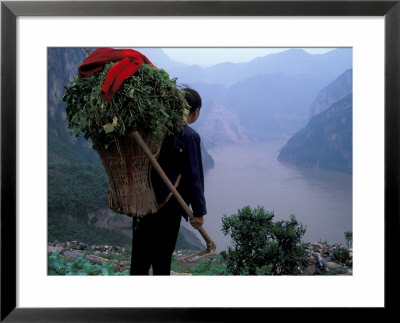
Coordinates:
(220, 125)
(290, 62)
(335, 91)
(158, 57)
(266, 98)
(326, 141)
(273, 106)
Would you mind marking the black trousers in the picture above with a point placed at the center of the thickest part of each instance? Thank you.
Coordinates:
(153, 242)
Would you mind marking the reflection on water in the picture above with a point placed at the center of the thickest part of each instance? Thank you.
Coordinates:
(250, 174)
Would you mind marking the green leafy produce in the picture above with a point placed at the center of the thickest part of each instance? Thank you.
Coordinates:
(207, 267)
(58, 265)
(149, 99)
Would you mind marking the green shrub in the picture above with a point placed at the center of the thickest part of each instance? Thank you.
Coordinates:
(341, 255)
(260, 246)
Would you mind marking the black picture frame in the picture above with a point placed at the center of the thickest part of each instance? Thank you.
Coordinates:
(10, 10)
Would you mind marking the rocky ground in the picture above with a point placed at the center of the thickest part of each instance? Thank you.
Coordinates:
(323, 258)
(120, 256)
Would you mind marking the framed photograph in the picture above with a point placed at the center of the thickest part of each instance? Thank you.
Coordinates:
(31, 29)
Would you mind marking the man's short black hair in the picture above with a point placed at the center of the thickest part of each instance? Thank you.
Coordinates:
(193, 98)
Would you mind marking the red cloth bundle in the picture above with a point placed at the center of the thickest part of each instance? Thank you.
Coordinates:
(129, 61)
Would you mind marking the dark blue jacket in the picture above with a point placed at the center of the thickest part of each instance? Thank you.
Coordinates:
(181, 154)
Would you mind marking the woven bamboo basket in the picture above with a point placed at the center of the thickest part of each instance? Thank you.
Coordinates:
(128, 168)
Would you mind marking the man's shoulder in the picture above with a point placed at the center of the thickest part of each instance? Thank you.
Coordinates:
(189, 132)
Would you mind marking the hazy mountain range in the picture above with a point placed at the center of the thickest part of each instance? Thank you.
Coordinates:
(267, 98)
(290, 62)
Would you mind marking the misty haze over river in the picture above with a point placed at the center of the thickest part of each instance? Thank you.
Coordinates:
(250, 174)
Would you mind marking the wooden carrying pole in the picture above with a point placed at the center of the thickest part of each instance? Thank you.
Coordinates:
(210, 244)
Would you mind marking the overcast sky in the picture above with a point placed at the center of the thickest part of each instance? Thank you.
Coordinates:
(212, 56)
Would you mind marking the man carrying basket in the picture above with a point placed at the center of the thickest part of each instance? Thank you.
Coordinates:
(132, 111)
(155, 235)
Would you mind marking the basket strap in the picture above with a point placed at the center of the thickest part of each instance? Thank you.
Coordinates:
(161, 205)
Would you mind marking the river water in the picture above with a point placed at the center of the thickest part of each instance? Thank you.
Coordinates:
(250, 174)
